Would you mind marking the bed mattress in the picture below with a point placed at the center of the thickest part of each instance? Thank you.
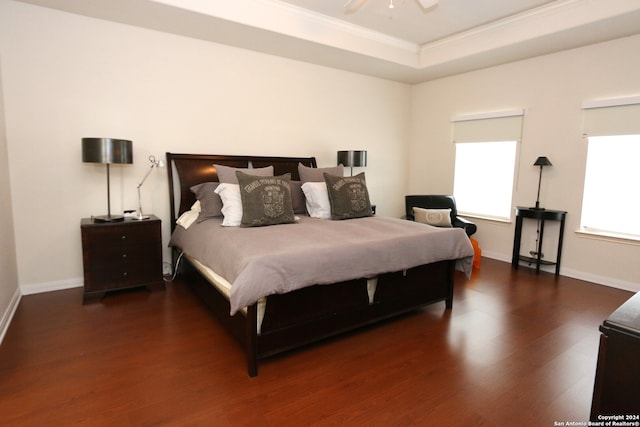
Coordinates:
(260, 261)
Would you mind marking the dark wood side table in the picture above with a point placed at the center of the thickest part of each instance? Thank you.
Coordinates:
(120, 255)
(541, 215)
(617, 383)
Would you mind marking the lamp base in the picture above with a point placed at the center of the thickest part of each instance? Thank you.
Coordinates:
(141, 217)
(107, 218)
(537, 207)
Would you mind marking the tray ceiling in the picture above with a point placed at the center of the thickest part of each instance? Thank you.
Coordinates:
(406, 44)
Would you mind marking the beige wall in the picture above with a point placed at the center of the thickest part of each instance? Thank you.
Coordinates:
(8, 270)
(66, 77)
(551, 89)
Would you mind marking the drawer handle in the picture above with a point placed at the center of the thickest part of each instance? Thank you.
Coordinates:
(124, 255)
(124, 237)
(124, 274)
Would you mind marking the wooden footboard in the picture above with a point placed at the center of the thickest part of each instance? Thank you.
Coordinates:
(311, 314)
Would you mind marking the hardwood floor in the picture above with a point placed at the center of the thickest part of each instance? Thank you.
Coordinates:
(517, 349)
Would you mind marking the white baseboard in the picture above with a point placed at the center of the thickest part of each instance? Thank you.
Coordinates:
(58, 285)
(35, 288)
(601, 280)
(575, 274)
(5, 320)
(496, 256)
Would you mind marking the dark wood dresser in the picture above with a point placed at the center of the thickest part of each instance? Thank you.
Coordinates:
(617, 385)
(120, 255)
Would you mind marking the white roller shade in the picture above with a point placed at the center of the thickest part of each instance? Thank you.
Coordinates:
(619, 116)
(488, 127)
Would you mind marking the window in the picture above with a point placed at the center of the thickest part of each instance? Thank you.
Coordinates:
(486, 149)
(485, 165)
(609, 200)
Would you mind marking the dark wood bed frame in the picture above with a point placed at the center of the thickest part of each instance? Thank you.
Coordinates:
(310, 314)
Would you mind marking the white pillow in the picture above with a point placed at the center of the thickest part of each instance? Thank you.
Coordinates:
(436, 217)
(231, 204)
(317, 199)
(190, 216)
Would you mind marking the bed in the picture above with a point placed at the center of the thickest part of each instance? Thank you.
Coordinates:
(256, 290)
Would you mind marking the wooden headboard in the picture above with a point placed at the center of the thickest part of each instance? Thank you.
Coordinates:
(187, 170)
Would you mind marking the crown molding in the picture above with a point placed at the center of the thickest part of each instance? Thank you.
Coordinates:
(525, 27)
(278, 28)
(303, 24)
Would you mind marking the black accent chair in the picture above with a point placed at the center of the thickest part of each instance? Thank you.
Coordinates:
(439, 202)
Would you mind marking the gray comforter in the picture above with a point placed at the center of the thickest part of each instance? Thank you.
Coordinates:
(261, 261)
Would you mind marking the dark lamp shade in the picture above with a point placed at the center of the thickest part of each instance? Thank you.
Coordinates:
(542, 161)
(353, 158)
(106, 150)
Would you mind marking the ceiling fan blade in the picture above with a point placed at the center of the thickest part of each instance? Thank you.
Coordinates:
(353, 5)
(426, 4)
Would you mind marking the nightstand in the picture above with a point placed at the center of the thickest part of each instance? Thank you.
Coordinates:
(120, 255)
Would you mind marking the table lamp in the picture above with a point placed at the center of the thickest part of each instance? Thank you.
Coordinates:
(154, 164)
(542, 162)
(107, 151)
(351, 158)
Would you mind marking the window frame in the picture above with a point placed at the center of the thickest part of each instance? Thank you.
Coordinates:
(608, 118)
(587, 194)
(490, 127)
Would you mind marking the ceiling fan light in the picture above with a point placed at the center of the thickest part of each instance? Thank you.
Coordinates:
(352, 6)
(427, 4)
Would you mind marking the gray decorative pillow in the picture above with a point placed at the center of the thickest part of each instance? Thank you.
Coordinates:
(210, 202)
(435, 217)
(298, 200)
(227, 174)
(265, 200)
(308, 174)
(348, 196)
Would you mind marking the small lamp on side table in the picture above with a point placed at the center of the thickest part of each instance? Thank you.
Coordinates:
(542, 162)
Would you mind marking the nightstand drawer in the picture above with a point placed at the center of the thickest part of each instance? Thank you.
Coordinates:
(121, 255)
(121, 236)
(123, 271)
